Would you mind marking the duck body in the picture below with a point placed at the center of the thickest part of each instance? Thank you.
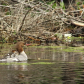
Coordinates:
(17, 55)
(22, 56)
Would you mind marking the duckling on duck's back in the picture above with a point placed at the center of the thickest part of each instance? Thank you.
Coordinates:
(18, 54)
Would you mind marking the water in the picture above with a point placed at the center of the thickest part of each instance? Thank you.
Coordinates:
(46, 65)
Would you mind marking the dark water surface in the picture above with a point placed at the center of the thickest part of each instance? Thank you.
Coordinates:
(46, 65)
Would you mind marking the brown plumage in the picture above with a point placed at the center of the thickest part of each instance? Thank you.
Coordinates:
(19, 46)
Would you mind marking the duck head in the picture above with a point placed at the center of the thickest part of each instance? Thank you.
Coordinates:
(19, 46)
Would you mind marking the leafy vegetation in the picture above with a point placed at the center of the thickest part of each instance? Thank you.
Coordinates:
(8, 13)
(62, 5)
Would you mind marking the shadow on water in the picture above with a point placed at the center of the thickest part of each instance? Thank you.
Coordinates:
(46, 65)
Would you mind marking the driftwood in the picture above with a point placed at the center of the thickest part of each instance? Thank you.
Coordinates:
(77, 23)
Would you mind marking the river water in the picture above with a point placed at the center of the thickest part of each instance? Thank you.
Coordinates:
(46, 65)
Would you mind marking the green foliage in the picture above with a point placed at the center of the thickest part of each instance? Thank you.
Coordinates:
(53, 3)
(83, 2)
(32, 14)
(3, 40)
(14, 33)
(78, 3)
(8, 13)
(3, 3)
(50, 2)
(78, 7)
(15, 41)
(62, 5)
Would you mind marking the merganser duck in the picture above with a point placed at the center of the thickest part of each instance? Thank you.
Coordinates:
(17, 55)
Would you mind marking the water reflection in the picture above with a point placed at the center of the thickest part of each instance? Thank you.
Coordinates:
(64, 68)
(56, 54)
(21, 66)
